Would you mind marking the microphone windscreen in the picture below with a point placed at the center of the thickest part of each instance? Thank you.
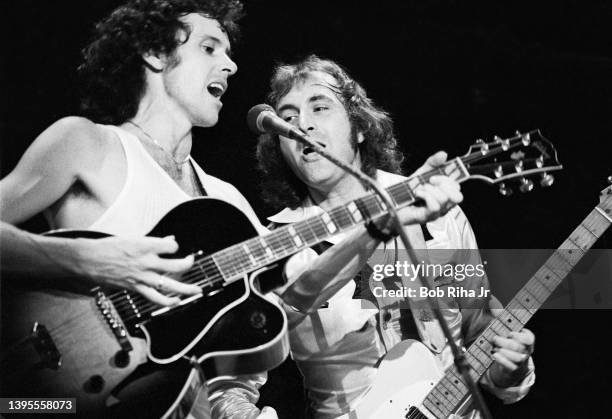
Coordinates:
(253, 115)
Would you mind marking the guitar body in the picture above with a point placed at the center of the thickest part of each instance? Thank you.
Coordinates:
(405, 376)
(75, 342)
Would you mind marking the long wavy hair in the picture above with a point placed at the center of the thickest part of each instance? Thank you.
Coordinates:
(280, 186)
(112, 73)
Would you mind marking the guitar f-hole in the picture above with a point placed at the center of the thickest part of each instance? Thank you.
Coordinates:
(45, 347)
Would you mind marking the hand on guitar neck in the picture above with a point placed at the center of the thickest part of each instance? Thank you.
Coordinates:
(438, 196)
(511, 357)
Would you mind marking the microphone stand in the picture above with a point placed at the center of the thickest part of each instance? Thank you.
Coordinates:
(458, 353)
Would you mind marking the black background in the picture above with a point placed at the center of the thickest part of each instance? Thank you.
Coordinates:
(449, 72)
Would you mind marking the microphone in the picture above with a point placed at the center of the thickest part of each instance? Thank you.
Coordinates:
(262, 118)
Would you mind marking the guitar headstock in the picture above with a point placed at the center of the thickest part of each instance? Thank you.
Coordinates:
(521, 157)
(605, 198)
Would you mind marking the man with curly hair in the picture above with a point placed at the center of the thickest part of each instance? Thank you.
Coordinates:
(338, 329)
(154, 70)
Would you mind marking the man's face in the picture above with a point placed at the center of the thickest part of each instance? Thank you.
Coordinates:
(195, 85)
(314, 108)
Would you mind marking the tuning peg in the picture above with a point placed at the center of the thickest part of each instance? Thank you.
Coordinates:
(518, 166)
(499, 171)
(546, 180)
(484, 147)
(526, 185)
(540, 161)
(610, 179)
(504, 190)
(526, 139)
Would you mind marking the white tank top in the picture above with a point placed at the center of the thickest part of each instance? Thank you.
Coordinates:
(149, 192)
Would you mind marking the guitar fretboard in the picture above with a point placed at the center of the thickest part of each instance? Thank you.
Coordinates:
(451, 390)
(235, 261)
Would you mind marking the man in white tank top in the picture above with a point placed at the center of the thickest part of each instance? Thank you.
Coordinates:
(84, 175)
(155, 69)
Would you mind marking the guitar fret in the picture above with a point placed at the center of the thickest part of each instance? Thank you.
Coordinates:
(295, 236)
(454, 379)
(482, 352)
(599, 220)
(475, 363)
(448, 391)
(509, 320)
(342, 218)
(517, 304)
(455, 388)
(435, 406)
(583, 238)
(318, 228)
(368, 206)
(232, 261)
(571, 255)
(266, 247)
(330, 226)
(519, 313)
(536, 288)
(528, 297)
(548, 279)
(484, 348)
(500, 328)
(257, 251)
(354, 212)
(281, 242)
(401, 193)
(247, 251)
(603, 214)
(439, 394)
(306, 233)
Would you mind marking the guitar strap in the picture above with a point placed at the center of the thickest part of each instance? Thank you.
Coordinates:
(419, 316)
(201, 188)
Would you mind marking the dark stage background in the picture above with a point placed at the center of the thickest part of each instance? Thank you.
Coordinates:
(449, 72)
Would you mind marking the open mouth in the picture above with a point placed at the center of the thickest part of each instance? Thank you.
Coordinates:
(216, 89)
(308, 150)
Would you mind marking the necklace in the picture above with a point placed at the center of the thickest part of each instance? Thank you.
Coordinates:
(146, 134)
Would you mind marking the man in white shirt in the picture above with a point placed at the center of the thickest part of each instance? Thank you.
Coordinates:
(339, 333)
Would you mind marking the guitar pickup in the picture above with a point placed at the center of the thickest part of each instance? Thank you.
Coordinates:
(44, 345)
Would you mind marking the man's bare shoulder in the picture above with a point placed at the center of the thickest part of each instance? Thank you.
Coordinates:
(76, 129)
(77, 137)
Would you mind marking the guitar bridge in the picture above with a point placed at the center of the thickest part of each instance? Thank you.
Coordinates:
(112, 319)
(44, 345)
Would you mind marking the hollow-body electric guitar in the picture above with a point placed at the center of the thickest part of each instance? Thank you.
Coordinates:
(425, 389)
(101, 344)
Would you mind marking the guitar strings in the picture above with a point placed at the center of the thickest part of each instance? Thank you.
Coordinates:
(230, 254)
(274, 240)
(205, 271)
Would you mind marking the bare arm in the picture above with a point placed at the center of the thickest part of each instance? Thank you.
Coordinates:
(71, 149)
(49, 167)
(127, 263)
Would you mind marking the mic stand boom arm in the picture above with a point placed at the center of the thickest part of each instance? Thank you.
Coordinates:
(458, 353)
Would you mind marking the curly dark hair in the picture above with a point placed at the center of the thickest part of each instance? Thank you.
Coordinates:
(280, 186)
(112, 73)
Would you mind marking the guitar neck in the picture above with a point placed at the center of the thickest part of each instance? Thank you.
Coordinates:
(451, 390)
(235, 261)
